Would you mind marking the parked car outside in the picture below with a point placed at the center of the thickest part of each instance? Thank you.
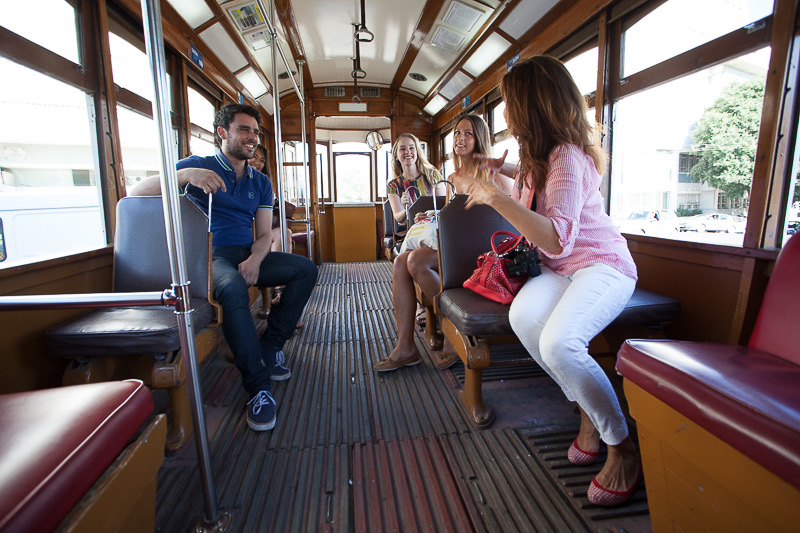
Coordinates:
(714, 222)
(792, 227)
(656, 222)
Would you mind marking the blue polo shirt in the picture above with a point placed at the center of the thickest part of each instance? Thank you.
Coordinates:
(232, 211)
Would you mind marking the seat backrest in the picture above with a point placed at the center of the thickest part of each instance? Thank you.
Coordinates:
(463, 236)
(425, 203)
(141, 257)
(776, 328)
(388, 219)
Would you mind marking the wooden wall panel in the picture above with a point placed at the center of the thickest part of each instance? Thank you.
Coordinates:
(354, 231)
(26, 364)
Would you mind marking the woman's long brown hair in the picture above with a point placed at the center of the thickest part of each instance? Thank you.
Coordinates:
(545, 109)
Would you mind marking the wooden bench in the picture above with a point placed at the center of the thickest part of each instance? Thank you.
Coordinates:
(75, 458)
(719, 425)
(472, 323)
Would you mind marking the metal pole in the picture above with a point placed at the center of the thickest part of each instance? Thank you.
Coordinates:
(306, 167)
(98, 299)
(151, 15)
(277, 119)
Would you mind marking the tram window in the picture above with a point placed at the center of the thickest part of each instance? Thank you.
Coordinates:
(294, 181)
(383, 164)
(45, 25)
(791, 225)
(50, 201)
(583, 69)
(352, 172)
(201, 117)
(510, 144)
(323, 177)
(449, 166)
(131, 68)
(3, 255)
(655, 132)
(352, 177)
(498, 118)
(681, 25)
(139, 141)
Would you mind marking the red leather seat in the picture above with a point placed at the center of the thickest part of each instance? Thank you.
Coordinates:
(301, 236)
(747, 396)
(55, 443)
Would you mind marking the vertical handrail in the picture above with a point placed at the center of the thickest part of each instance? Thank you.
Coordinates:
(306, 166)
(276, 115)
(276, 49)
(151, 15)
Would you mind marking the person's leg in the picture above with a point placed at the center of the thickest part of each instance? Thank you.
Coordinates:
(230, 290)
(405, 305)
(423, 265)
(298, 275)
(596, 295)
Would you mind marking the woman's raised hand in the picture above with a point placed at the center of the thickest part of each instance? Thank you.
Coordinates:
(492, 164)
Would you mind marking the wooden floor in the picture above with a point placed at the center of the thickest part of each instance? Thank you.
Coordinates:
(354, 450)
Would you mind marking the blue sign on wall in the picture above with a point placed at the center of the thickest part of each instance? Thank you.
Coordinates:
(513, 61)
(241, 98)
(197, 57)
(465, 102)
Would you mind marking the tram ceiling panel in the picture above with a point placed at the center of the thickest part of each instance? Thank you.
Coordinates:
(419, 46)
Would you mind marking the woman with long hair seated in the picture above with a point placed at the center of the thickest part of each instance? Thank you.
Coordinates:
(259, 162)
(588, 273)
(470, 137)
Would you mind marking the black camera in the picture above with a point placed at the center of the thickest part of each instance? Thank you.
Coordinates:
(522, 261)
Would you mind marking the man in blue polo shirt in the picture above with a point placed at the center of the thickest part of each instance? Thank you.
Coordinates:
(240, 196)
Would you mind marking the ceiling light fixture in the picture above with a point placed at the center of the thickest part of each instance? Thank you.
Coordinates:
(418, 77)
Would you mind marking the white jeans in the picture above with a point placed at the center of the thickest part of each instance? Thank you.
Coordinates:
(555, 317)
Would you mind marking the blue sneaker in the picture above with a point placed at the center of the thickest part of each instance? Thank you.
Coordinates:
(280, 372)
(261, 411)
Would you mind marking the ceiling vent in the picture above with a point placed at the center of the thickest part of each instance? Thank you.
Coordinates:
(370, 92)
(335, 92)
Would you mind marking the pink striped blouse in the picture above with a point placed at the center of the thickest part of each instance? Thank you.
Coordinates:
(573, 202)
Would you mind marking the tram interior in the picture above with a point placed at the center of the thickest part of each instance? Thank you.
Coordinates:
(465, 448)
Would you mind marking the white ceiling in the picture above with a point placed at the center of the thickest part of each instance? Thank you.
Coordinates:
(325, 32)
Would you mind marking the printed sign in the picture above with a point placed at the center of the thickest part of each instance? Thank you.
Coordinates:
(513, 61)
(197, 57)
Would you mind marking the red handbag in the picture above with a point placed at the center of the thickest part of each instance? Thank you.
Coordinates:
(491, 279)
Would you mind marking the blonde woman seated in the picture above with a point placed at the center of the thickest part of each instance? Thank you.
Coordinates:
(414, 177)
(470, 137)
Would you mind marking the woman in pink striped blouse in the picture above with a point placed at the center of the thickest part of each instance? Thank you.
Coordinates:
(588, 274)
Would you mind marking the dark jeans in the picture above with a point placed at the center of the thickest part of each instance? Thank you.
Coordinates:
(297, 273)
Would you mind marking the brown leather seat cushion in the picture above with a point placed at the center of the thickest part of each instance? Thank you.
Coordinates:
(147, 330)
(55, 443)
(473, 314)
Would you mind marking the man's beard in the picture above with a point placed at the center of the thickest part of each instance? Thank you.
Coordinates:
(240, 152)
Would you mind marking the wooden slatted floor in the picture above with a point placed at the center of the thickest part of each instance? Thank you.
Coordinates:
(354, 450)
